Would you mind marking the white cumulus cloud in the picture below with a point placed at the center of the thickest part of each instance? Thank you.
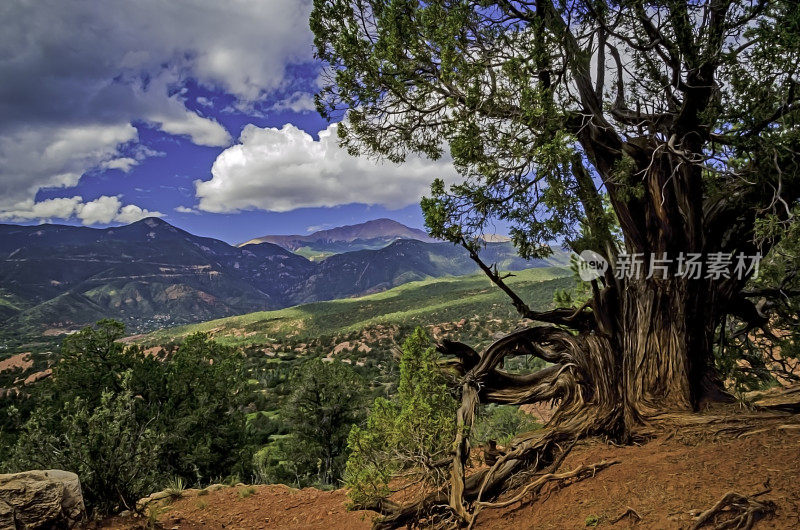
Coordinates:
(35, 157)
(297, 102)
(76, 74)
(103, 210)
(285, 169)
(186, 209)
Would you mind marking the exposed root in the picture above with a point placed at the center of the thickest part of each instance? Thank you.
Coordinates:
(738, 424)
(542, 450)
(735, 510)
(629, 512)
(585, 382)
(536, 486)
(786, 399)
(553, 467)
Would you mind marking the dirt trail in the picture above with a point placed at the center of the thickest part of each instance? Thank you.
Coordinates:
(662, 481)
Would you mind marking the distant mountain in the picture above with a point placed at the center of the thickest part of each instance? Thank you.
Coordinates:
(370, 235)
(151, 274)
(496, 238)
(147, 274)
(403, 261)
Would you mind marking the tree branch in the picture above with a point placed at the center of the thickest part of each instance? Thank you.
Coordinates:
(579, 318)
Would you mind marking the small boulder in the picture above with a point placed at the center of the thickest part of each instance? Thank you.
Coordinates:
(41, 499)
(158, 498)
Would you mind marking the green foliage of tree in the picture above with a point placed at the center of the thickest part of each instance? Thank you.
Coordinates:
(123, 419)
(501, 423)
(409, 433)
(643, 127)
(112, 451)
(766, 350)
(326, 401)
(201, 403)
(93, 361)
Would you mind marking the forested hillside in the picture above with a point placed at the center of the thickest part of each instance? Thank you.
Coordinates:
(150, 274)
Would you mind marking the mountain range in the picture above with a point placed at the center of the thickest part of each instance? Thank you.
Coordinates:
(371, 235)
(150, 274)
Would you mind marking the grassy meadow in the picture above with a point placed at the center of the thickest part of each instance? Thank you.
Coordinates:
(426, 302)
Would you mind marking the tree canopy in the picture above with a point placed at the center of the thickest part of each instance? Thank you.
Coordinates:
(326, 400)
(543, 106)
(409, 433)
(629, 128)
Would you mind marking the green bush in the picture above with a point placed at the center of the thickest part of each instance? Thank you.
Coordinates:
(327, 399)
(113, 452)
(279, 463)
(199, 401)
(501, 423)
(407, 433)
(121, 419)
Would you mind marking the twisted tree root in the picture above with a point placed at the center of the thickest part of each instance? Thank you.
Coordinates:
(743, 512)
(534, 487)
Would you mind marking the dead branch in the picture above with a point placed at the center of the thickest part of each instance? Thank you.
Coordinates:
(735, 510)
(580, 318)
(786, 399)
(629, 512)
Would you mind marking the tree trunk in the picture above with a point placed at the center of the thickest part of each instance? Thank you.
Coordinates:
(667, 337)
(656, 345)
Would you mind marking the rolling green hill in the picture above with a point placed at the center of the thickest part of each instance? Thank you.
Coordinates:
(362, 332)
(426, 302)
(366, 332)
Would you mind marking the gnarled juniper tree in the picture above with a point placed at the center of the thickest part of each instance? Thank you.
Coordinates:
(684, 115)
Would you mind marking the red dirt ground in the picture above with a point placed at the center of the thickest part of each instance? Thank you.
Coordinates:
(274, 506)
(663, 480)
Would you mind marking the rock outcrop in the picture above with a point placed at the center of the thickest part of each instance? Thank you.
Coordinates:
(40, 499)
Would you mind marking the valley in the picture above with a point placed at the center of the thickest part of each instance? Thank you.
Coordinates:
(55, 279)
(364, 332)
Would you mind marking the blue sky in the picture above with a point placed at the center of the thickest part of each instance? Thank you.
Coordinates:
(196, 111)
